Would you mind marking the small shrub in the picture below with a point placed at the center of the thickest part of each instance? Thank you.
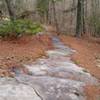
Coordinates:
(18, 28)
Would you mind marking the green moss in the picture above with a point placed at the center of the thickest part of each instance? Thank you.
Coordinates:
(76, 62)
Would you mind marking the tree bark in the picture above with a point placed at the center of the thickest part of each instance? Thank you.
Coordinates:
(80, 22)
(11, 13)
(55, 18)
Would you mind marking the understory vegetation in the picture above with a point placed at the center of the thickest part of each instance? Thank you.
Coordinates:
(18, 28)
(73, 17)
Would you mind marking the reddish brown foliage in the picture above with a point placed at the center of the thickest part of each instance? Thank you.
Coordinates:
(24, 50)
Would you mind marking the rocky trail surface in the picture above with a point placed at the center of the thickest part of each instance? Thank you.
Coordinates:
(52, 78)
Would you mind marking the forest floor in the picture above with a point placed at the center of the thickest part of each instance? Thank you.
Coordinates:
(87, 56)
(87, 53)
(24, 50)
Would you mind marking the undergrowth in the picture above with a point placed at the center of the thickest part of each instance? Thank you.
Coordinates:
(18, 28)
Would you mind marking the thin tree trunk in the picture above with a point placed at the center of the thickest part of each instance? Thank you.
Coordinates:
(49, 14)
(80, 25)
(11, 14)
(83, 18)
(78, 20)
(55, 18)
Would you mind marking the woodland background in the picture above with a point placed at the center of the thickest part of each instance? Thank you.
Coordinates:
(68, 16)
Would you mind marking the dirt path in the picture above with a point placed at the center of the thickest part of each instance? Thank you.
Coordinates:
(52, 78)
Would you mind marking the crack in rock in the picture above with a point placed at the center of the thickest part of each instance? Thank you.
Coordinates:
(12, 89)
(31, 87)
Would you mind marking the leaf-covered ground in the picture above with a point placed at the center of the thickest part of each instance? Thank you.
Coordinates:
(24, 50)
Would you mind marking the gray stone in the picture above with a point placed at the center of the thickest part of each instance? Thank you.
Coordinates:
(10, 89)
(51, 88)
(61, 68)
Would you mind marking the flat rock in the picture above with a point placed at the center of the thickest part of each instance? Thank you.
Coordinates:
(10, 89)
(61, 68)
(50, 88)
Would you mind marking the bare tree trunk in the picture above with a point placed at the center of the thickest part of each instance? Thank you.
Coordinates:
(83, 18)
(11, 14)
(78, 20)
(80, 23)
(55, 18)
(49, 14)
